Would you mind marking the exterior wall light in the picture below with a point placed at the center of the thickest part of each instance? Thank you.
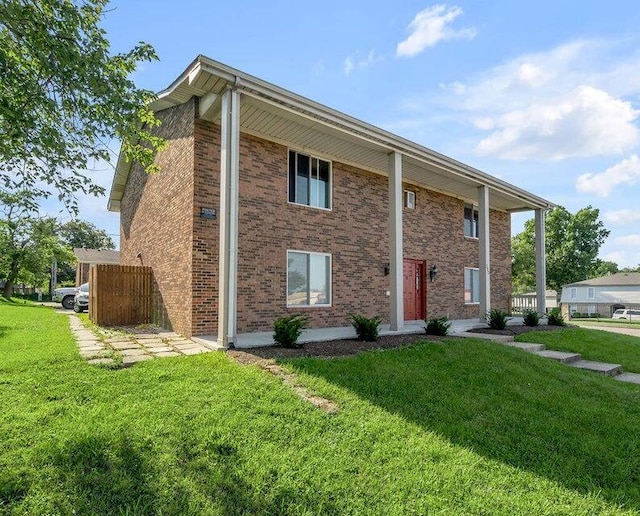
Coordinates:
(433, 271)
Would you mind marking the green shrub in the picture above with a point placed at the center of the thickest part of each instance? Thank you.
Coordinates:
(497, 319)
(595, 315)
(366, 329)
(287, 330)
(530, 317)
(437, 326)
(554, 318)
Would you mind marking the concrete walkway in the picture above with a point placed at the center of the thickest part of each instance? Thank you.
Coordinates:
(115, 348)
(634, 330)
(571, 359)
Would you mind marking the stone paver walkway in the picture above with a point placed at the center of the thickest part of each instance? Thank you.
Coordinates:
(132, 346)
(571, 359)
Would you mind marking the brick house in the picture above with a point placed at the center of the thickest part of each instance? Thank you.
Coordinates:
(87, 258)
(270, 204)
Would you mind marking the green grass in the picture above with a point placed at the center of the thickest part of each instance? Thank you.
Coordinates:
(598, 345)
(618, 323)
(457, 427)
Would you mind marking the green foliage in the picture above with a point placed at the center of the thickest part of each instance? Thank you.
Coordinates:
(28, 242)
(497, 319)
(366, 328)
(80, 233)
(530, 318)
(437, 326)
(65, 96)
(602, 268)
(595, 315)
(572, 245)
(555, 318)
(287, 330)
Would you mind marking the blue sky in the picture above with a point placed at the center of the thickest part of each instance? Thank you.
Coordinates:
(544, 95)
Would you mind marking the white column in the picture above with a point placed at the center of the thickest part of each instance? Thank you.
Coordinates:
(229, 185)
(395, 241)
(541, 268)
(485, 255)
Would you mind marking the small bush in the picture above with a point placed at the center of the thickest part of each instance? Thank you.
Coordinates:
(287, 330)
(497, 319)
(366, 329)
(595, 315)
(437, 326)
(531, 318)
(554, 318)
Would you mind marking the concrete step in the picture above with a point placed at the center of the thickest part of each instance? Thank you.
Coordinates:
(628, 377)
(526, 346)
(560, 356)
(598, 367)
(503, 339)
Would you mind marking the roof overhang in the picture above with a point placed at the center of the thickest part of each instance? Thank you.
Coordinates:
(275, 114)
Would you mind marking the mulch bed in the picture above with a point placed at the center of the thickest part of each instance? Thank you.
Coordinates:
(341, 348)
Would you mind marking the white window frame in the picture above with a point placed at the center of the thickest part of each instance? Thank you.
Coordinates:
(311, 157)
(591, 292)
(574, 293)
(472, 302)
(475, 217)
(329, 280)
(409, 199)
(573, 309)
(592, 309)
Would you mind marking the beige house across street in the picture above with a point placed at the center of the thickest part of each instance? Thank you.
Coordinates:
(602, 295)
(269, 204)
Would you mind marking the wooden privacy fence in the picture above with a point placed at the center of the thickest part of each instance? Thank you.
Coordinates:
(120, 294)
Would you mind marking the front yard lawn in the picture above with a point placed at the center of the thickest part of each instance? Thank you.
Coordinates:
(459, 426)
(598, 345)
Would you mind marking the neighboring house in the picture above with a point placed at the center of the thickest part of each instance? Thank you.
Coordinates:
(87, 258)
(602, 295)
(528, 301)
(269, 204)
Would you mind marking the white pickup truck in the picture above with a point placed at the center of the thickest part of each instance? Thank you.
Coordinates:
(65, 296)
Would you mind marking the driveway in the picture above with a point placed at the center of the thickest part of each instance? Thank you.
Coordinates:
(633, 331)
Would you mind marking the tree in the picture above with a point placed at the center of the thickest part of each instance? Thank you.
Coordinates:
(29, 244)
(75, 234)
(572, 245)
(602, 268)
(80, 233)
(64, 98)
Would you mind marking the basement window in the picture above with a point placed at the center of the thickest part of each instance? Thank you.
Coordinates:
(309, 181)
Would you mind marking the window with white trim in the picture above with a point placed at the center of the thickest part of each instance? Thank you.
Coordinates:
(591, 309)
(573, 309)
(308, 279)
(409, 199)
(309, 180)
(470, 221)
(591, 292)
(574, 292)
(471, 285)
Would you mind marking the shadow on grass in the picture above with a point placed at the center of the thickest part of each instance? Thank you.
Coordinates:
(123, 474)
(570, 426)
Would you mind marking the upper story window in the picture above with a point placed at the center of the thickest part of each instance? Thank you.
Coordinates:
(574, 292)
(309, 180)
(470, 221)
(591, 293)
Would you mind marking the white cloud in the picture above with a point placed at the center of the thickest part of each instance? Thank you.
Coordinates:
(584, 122)
(429, 27)
(356, 62)
(627, 172)
(633, 240)
(621, 217)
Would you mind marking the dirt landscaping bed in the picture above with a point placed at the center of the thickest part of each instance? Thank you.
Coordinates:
(519, 329)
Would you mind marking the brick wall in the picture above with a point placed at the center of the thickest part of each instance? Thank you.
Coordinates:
(156, 219)
(160, 218)
(355, 232)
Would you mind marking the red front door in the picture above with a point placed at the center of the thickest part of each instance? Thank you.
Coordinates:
(414, 289)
